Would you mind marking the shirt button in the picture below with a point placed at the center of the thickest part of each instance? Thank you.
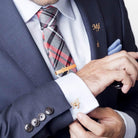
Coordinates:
(41, 117)
(35, 122)
(49, 111)
(28, 128)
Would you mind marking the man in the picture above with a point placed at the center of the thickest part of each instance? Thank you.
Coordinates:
(35, 101)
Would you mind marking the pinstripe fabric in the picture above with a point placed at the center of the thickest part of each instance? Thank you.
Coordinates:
(54, 44)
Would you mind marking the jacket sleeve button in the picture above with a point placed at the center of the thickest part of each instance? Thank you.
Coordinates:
(28, 128)
(35, 122)
(49, 111)
(41, 117)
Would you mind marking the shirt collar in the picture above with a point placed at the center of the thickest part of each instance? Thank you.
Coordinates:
(65, 7)
(28, 9)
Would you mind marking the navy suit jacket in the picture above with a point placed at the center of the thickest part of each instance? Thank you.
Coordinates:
(26, 85)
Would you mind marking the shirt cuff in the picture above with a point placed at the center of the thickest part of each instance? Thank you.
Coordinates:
(77, 94)
(129, 123)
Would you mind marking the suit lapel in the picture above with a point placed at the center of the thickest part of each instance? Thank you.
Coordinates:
(94, 25)
(16, 40)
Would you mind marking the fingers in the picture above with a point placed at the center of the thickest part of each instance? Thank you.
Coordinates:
(125, 61)
(99, 113)
(110, 124)
(133, 54)
(111, 120)
(120, 76)
(96, 128)
(72, 135)
(100, 73)
(76, 130)
(123, 54)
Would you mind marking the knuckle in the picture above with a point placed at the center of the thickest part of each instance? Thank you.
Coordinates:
(107, 108)
(124, 52)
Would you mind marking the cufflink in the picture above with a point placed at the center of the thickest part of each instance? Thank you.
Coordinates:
(76, 104)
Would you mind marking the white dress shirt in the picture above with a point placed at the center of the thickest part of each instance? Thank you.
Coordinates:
(72, 29)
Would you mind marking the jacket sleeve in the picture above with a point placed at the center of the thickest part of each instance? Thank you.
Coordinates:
(14, 118)
(128, 103)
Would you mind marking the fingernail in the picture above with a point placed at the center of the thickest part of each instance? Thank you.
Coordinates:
(79, 116)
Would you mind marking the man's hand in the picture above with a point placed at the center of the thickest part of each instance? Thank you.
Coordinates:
(99, 74)
(109, 125)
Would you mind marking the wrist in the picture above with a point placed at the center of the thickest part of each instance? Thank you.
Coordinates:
(92, 86)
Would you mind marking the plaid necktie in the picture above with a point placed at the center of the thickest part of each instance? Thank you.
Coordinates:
(54, 44)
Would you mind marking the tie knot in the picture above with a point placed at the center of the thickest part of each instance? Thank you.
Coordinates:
(47, 16)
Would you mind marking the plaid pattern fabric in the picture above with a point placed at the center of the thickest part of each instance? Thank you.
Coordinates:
(54, 44)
